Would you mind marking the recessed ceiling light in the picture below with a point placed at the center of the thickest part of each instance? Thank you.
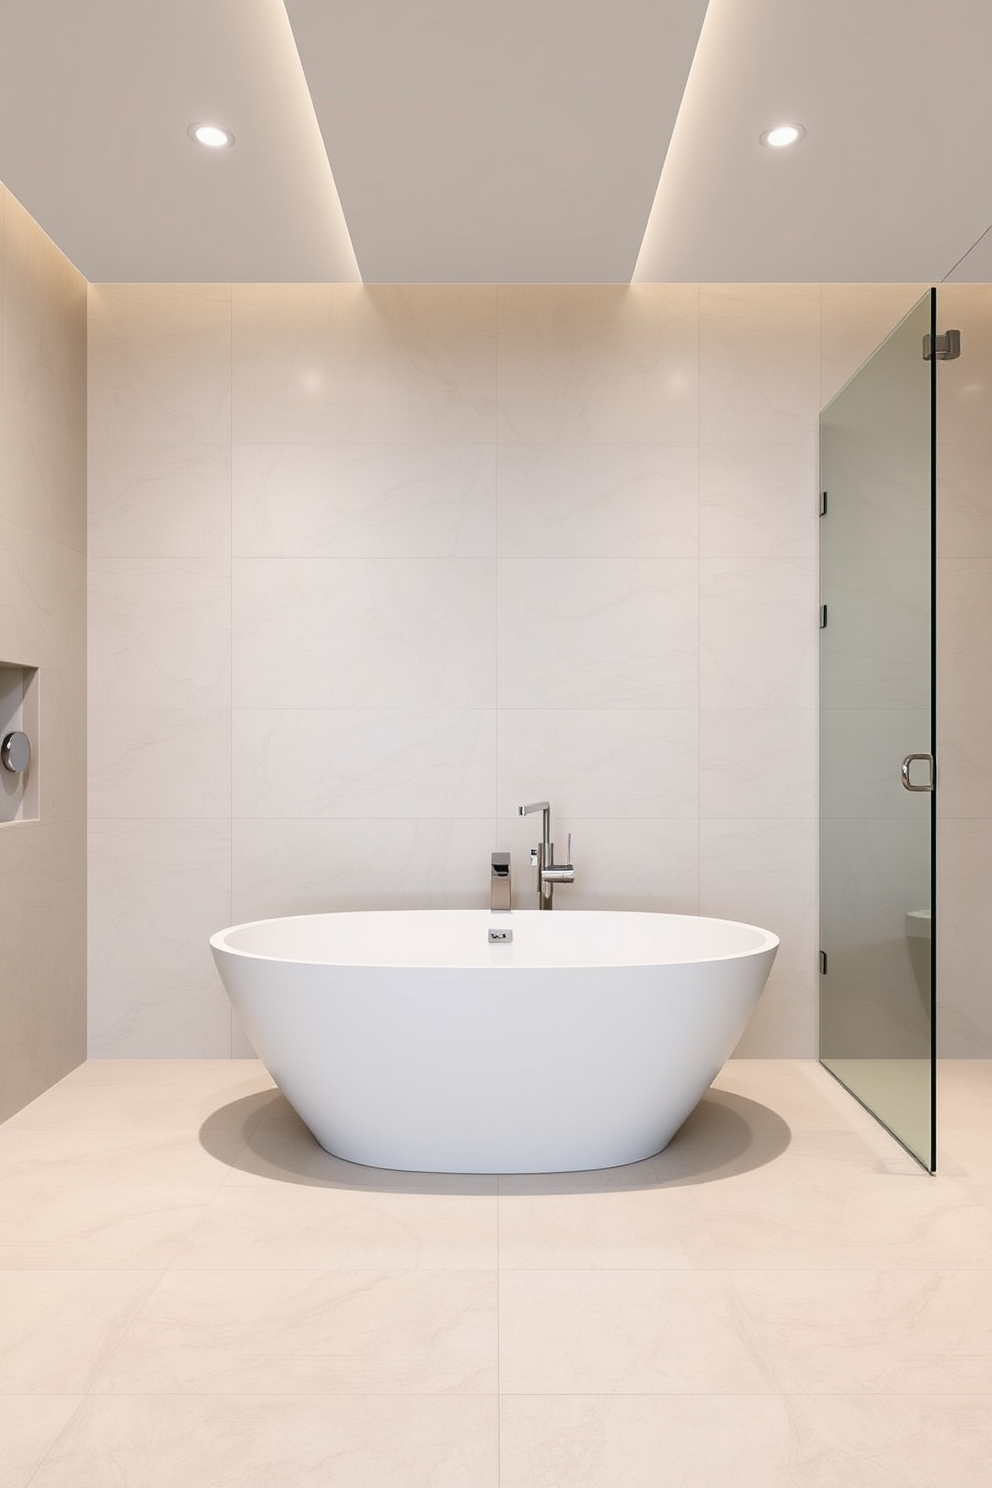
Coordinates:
(782, 135)
(211, 135)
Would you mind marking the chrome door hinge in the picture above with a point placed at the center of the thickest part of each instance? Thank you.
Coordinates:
(946, 348)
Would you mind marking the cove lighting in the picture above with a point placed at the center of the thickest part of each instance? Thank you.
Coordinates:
(211, 135)
(782, 135)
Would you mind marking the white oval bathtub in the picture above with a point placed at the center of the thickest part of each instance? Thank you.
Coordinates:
(404, 1039)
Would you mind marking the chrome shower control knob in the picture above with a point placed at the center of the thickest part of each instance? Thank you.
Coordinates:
(15, 752)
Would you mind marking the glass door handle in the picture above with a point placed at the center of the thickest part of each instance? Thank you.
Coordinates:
(907, 765)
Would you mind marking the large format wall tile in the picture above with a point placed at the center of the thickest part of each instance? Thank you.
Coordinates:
(598, 501)
(159, 500)
(363, 633)
(160, 363)
(759, 376)
(597, 633)
(606, 364)
(758, 633)
(336, 363)
(364, 500)
(757, 501)
(159, 762)
(159, 633)
(364, 762)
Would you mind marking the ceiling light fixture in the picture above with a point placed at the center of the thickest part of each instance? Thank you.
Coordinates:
(211, 135)
(781, 136)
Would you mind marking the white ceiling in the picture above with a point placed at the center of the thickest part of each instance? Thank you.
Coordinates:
(503, 140)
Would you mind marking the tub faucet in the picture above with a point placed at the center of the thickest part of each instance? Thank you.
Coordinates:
(543, 857)
(499, 883)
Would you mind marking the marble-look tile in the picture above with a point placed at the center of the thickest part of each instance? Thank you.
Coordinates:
(965, 1023)
(964, 508)
(266, 1440)
(650, 1228)
(627, 863)
(875, 1440)
(43, 477)
(757, 763)
(598, 364)
(139, 1010)
(628, 1333)
(158, 890)
(153, 1095)
(323, 1227)
(361, 762)
(758, 633)
(759, 373)
(599, 762)
(58, 1328)
(58, 1160)
(311, 1332)
(364, 633)
(62, 737)
(598, 501)
(43, 935)
(757, 501)
(642, 1441)
(46, 328)
(30, 1425)
(964, 780)
(312, 866)
(159, 363)
(763, 873)
(842, 1223)
(96, 1228)
(159, 762)
(335, 363)
(964, 641)
(597, 633)
(965, 384)
(855, 319)
(159, 632)
(159, 500)
(42, 600)
(364, 500)
(907, 1333)
(784, 1024)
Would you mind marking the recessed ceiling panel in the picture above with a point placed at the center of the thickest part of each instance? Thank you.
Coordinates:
(891, 182)
(508, 141)
(95, 100)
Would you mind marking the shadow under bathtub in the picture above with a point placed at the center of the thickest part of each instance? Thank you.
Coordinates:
(725, 1135)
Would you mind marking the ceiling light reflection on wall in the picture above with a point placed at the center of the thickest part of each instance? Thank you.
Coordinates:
(211, 135)
(781, 136)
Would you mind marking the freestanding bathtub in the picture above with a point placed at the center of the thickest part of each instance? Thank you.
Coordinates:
(405, 1039)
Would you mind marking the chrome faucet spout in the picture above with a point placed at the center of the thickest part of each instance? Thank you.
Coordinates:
(543, 857)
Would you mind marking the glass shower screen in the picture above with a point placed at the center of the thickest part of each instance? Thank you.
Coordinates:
(877, 451)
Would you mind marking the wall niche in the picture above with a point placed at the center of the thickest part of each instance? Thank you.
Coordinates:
(19, 713)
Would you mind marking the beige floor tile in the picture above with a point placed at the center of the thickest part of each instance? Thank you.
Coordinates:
(908, 1332)
(626, 1332)
(171, 1094)
(646, 1441)
(58, 1328)
(132, 1157)
(654, 1229)
(29, 1425)
(828, 1221)
(317, 1228)
(299, 1332)
(875, 1441)
(99, 1228)
(264, 1441)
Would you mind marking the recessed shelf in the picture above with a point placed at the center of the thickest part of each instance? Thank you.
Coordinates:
(19, 689)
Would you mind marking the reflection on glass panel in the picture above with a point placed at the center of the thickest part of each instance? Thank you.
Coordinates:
(876, 701)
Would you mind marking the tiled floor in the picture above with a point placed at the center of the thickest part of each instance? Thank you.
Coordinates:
(194, 1295)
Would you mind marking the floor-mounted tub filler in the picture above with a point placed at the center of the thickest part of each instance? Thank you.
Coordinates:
(457, 1041)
